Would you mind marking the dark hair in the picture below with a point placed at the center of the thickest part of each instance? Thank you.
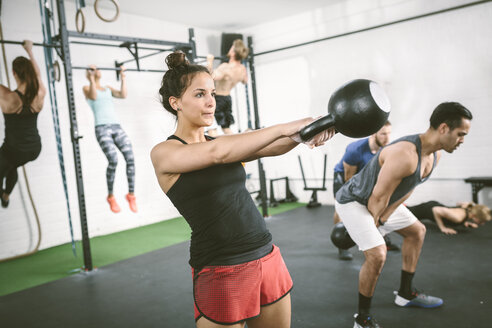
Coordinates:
(177, 78)
(26, 73)
(450, 113)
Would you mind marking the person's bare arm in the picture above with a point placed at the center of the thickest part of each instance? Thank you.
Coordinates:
(90, 91)
(4, 92)
(210, 63)
(122, 93)
(27, 45)
(469, 224)
(286, 144)
(172, 157)
(440, 213)
(391, 208)
(218, 73)
(349, 171)
(278, 147)
(397, 162)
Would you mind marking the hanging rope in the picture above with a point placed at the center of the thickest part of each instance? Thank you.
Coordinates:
(52, 67)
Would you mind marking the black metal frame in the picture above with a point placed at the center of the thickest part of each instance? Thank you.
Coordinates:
(62, 41)
(313, 202)
(289, 195)
(108, 37)
(47, 45)
(65, 51)
(477, 184)
(261, 172)
(53, 75)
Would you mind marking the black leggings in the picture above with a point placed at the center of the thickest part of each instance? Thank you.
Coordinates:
(9, 162)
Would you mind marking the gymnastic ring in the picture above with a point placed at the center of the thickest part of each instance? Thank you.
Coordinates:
(106, 19)
(56, 71)
(77, 20)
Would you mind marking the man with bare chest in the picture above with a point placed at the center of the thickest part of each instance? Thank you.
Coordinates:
(371, 205)
(226, 76)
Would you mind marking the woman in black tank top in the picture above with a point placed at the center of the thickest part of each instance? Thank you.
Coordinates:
(465, 214)
(205, 180)
(20, 109)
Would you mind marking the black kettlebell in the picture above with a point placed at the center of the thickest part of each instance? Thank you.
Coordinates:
(357, 109)
(340, 237)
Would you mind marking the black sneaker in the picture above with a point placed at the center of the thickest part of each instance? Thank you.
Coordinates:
(344, 254)
(367, 321)
(389, 245)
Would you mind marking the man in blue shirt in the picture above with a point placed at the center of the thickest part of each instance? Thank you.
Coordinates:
(357, 155)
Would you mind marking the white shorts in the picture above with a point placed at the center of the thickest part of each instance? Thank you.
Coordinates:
(360, 223)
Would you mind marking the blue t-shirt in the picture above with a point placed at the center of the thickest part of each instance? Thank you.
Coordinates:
(357, 153)
(103, 108)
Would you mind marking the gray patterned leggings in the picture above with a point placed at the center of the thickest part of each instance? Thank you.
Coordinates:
(110, 137)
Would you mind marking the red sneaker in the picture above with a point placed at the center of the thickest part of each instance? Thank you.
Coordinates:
(132, 201)
(113, 204)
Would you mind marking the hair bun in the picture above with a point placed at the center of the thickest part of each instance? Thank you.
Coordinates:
(176, 59)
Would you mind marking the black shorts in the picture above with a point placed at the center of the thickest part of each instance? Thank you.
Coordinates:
(18, 158)
(338, 181)
(223, 111)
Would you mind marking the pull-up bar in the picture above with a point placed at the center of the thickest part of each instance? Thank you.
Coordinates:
(119, 69)
(215, 58)
(108, 37)
(115, 45)
(34, 43)
(375, 27)
(38, 44)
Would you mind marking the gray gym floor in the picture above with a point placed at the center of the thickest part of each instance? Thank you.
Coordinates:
(154, 289)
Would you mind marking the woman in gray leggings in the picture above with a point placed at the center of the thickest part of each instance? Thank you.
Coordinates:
(110, 134)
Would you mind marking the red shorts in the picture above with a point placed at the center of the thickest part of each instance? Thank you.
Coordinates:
(233, 293)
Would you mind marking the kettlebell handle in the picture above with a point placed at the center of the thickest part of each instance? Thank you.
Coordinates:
(316, 127)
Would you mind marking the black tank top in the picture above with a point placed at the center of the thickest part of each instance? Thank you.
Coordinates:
(359, 188)
(226, 226)
(21, 132)
(424, 211)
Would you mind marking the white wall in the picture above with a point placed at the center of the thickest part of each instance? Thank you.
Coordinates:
(141, 115)
(420, 63)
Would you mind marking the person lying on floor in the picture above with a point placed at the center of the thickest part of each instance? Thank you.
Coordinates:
(467, 214)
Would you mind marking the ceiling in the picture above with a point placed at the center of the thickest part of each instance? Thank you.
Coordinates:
(223, 15)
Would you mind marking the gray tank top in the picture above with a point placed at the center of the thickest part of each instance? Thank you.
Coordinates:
(359, 187)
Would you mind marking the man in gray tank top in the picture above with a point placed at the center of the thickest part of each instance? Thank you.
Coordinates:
(370, 204)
